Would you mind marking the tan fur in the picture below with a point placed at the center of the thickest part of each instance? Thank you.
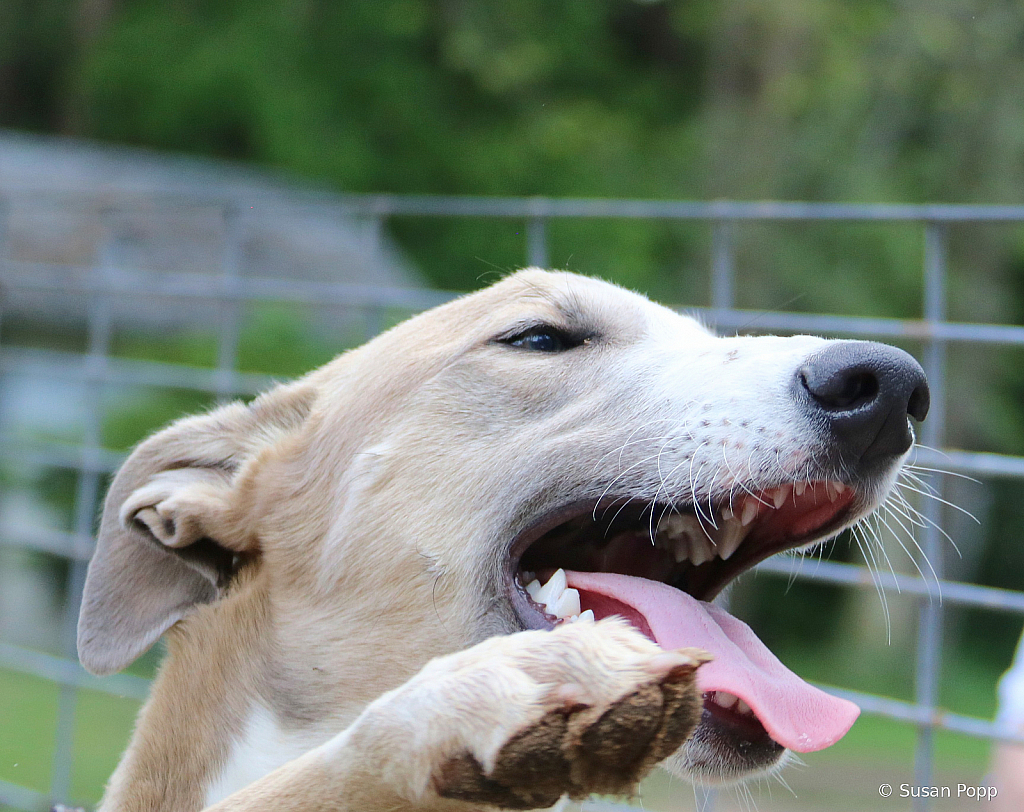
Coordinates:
(366, 507)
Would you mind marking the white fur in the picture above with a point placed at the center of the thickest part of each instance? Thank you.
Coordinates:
(261, 748)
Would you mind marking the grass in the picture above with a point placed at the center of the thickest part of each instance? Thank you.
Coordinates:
(28, 725)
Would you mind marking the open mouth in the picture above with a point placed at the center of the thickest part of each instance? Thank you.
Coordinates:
(659, 565)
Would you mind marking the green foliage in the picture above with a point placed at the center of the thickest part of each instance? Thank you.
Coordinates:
(791, 99)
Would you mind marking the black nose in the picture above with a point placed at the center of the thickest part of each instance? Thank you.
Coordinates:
(864, 391)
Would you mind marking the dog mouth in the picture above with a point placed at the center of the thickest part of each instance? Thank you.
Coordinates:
(659, 566)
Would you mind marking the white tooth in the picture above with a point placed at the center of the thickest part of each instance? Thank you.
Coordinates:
(730, 537)
(839, 486)
(749, 512)
(689, 527)
(674, 526)
(533, 588)
(587, 616)
(725, 699)
(552, 589)
(742, 707)
(782, 494)
(799, 488)
(566, 605)
(727, 513)
(831, 492)
(701, 549)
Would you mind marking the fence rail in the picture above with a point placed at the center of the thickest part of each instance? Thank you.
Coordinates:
(108, 282)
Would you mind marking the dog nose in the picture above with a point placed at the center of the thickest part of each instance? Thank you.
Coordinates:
(864, 392)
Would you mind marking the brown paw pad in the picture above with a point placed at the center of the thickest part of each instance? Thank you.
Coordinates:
(582, 750)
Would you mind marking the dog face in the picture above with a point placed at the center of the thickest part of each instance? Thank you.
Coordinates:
(411, 497)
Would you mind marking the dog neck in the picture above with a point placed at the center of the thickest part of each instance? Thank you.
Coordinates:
(210, 713)
(250, 683)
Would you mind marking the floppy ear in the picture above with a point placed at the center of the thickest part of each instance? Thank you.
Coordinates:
(171, 532)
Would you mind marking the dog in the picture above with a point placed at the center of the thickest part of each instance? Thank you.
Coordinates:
(472, 563)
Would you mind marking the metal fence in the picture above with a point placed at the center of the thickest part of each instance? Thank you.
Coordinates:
(102, 286)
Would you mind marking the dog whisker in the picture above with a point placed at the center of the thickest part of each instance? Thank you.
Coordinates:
(945, 502)
(865, 549)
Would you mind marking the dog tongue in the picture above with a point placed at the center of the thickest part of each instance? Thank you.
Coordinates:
(795, 714)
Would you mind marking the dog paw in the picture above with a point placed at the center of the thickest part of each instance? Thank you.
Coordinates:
(519, 721)
(579, 750)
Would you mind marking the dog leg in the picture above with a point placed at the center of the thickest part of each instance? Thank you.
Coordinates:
(515, 722)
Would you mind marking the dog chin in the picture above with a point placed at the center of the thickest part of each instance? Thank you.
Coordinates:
(718, 755)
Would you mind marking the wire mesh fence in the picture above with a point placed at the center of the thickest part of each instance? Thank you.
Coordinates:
(93, 370)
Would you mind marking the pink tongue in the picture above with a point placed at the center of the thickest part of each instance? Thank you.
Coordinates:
(795, 714)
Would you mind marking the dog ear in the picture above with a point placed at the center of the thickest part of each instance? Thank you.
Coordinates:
(171, 534)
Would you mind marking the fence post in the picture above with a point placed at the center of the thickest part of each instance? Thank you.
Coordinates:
(930, 614)
(230, 307)
(87, 496)
(723, 272)
(373, 242)
(537, 234)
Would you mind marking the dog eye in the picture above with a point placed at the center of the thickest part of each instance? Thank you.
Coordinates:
(544, 339)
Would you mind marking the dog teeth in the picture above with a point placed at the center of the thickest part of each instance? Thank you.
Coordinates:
(557, 598)
(552, 589)
(686, 538)
(781, 494)
(702, 549)
(730, 538)
(673, 527)
(566, 605)
(833, 489)
(729, 701)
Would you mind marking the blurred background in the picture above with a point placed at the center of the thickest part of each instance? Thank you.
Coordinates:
(199, 197)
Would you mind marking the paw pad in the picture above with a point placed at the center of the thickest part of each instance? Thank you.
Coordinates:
(578, 750)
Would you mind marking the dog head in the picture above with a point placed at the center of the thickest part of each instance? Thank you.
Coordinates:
(551, 429)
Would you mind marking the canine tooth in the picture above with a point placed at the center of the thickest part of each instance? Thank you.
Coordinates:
(742, 707)
(729, 538)
(749, 512)
(839, 486)
(548, 593)
(799, 488)
(782, 494)
(586, 617)
(727, 513)
(533, 588)
(566, 605)
(725, 699)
